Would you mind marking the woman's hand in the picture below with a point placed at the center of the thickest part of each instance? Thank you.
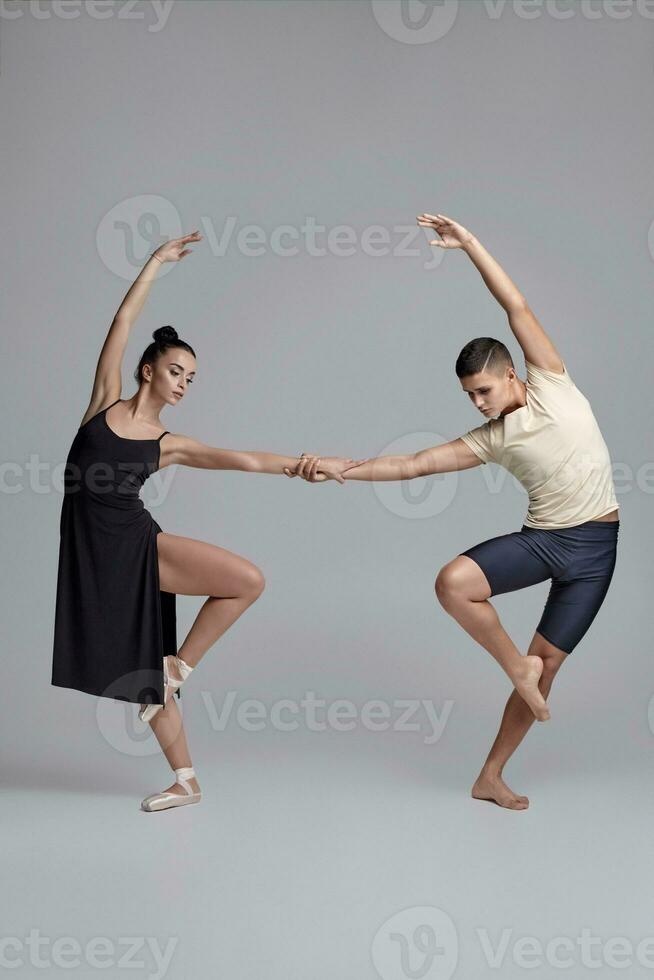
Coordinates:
(174, 250)
(317, 469)
(453, 235)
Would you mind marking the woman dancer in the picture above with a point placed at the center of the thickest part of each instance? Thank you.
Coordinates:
(544, 432)
(118, 571)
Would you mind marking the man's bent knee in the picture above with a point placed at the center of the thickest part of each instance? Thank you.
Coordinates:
(450, 584)
(255, 582)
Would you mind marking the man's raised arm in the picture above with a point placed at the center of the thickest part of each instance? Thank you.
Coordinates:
(533, 339)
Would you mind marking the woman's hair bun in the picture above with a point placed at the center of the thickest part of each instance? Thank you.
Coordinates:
(165, 334)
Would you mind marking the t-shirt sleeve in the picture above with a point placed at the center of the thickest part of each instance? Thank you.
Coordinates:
(479, 440)
(540, 377)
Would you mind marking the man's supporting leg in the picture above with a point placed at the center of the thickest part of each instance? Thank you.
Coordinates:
(516, 722)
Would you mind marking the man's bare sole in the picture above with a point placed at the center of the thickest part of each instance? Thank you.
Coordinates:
(526, 684)
(493, 789)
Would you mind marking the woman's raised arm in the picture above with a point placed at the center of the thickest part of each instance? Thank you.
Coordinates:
(107, 384)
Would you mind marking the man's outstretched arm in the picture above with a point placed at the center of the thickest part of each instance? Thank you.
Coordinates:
(445, 458)
(533, 339)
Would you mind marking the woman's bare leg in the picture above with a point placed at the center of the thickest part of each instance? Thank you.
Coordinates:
(231, 583)
(168, 728)
(463, 590)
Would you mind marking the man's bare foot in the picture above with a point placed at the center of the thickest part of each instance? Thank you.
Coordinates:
(490, 786)
(525, 681)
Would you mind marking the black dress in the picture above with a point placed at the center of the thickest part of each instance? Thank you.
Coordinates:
(113, 625)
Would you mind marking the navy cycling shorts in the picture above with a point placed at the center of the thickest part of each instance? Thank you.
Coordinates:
(579, 560)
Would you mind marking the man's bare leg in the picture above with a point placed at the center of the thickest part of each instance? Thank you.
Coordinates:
(516, 722)
(463, 590)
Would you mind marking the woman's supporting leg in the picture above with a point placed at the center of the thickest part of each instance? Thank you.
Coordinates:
(231, 583)
(168, 728)
(463, 590)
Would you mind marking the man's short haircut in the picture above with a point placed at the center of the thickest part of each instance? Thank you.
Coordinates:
(483, 354)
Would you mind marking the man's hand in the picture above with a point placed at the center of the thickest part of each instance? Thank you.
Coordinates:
(453, 235)
(317, 469)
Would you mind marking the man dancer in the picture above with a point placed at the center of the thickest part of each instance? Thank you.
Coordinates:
(544, 432)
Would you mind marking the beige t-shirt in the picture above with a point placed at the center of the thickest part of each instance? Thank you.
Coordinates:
(554, 447)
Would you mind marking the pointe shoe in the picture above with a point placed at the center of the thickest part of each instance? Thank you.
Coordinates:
(163, 801)
(170, 683)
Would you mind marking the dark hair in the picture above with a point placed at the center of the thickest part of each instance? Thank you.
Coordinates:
(164, 339)
(483, 354)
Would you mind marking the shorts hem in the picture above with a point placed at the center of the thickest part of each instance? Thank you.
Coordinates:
(557, 645)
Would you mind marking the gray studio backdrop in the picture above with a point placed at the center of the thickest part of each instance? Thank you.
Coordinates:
(302, 139)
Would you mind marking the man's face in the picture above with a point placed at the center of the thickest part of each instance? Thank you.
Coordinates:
(489, 392)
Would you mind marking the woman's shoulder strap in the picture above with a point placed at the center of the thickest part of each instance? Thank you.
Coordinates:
(162, 435)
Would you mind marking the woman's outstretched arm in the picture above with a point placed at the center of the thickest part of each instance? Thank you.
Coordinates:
(535, 343)
(107, 384)
(186, 451)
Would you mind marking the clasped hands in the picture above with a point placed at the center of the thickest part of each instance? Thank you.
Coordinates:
(317, 469)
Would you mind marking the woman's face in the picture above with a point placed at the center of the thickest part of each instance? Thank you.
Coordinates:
(173, 372)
